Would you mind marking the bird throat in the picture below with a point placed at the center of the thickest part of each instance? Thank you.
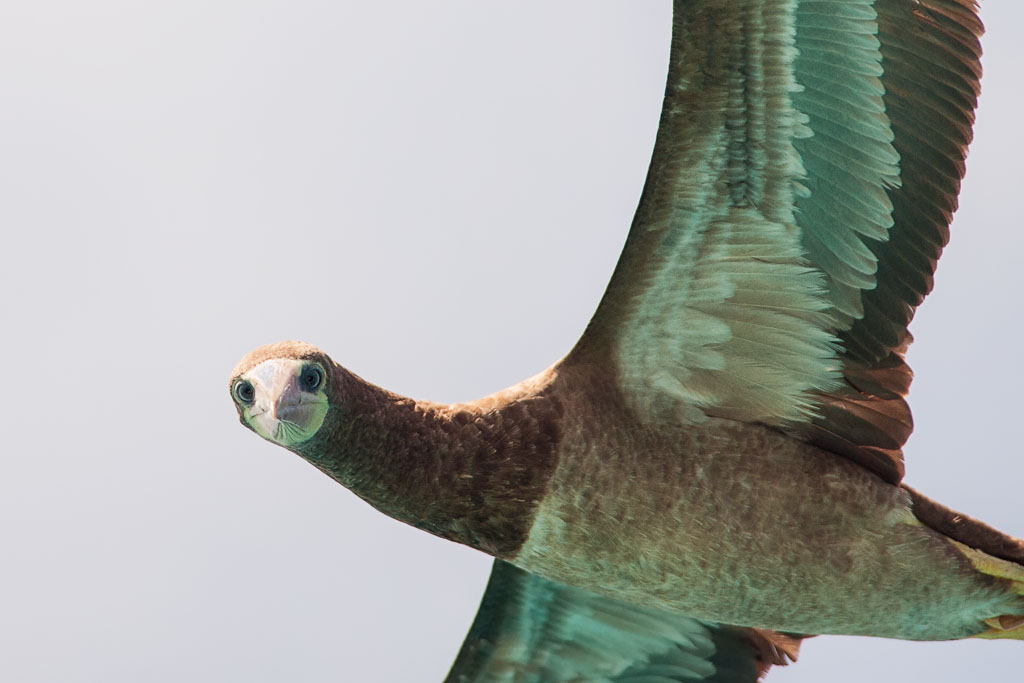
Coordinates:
(471, 475)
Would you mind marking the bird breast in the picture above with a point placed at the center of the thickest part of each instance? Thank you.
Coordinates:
(737, 523)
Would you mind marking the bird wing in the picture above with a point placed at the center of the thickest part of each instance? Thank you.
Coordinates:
(806, 169)
(531, 630)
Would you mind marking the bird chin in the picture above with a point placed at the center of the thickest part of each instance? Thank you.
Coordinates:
(290, 433)
(295, 424)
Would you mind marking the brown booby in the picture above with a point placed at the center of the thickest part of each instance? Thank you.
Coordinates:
(715, 470)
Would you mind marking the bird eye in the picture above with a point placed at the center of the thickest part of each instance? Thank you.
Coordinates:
(311, 378)
(244, 392)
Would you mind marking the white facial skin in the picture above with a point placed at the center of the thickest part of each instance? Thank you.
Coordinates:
(283, 400)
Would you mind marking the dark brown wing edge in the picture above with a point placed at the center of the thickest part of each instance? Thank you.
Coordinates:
(529, 629)
(965, 529)
(931, 60)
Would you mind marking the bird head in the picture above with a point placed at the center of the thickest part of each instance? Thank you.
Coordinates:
(281, 391)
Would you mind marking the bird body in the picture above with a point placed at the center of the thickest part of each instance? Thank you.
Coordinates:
(738, 525)
(726, 522)
(716, 468)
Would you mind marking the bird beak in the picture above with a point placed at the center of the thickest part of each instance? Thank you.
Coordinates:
(283, 400)
(274, 381)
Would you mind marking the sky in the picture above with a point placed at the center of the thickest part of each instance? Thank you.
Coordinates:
(435, 194)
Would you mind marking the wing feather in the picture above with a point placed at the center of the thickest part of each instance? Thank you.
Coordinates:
(931, 60)
(530, 630)
(799, 195)
(931, 55)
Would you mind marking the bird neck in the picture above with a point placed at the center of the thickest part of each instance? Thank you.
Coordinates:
(471, 473)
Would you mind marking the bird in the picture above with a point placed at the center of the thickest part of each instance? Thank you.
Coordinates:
(714, 472)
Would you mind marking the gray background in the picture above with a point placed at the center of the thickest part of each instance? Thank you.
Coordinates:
(433, 192)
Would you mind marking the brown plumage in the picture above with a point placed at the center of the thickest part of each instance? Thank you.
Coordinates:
(715, 469)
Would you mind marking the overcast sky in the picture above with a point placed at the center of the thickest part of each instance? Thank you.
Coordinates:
(433, 192)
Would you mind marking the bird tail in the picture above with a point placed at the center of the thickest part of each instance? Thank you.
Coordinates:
(989, 550)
